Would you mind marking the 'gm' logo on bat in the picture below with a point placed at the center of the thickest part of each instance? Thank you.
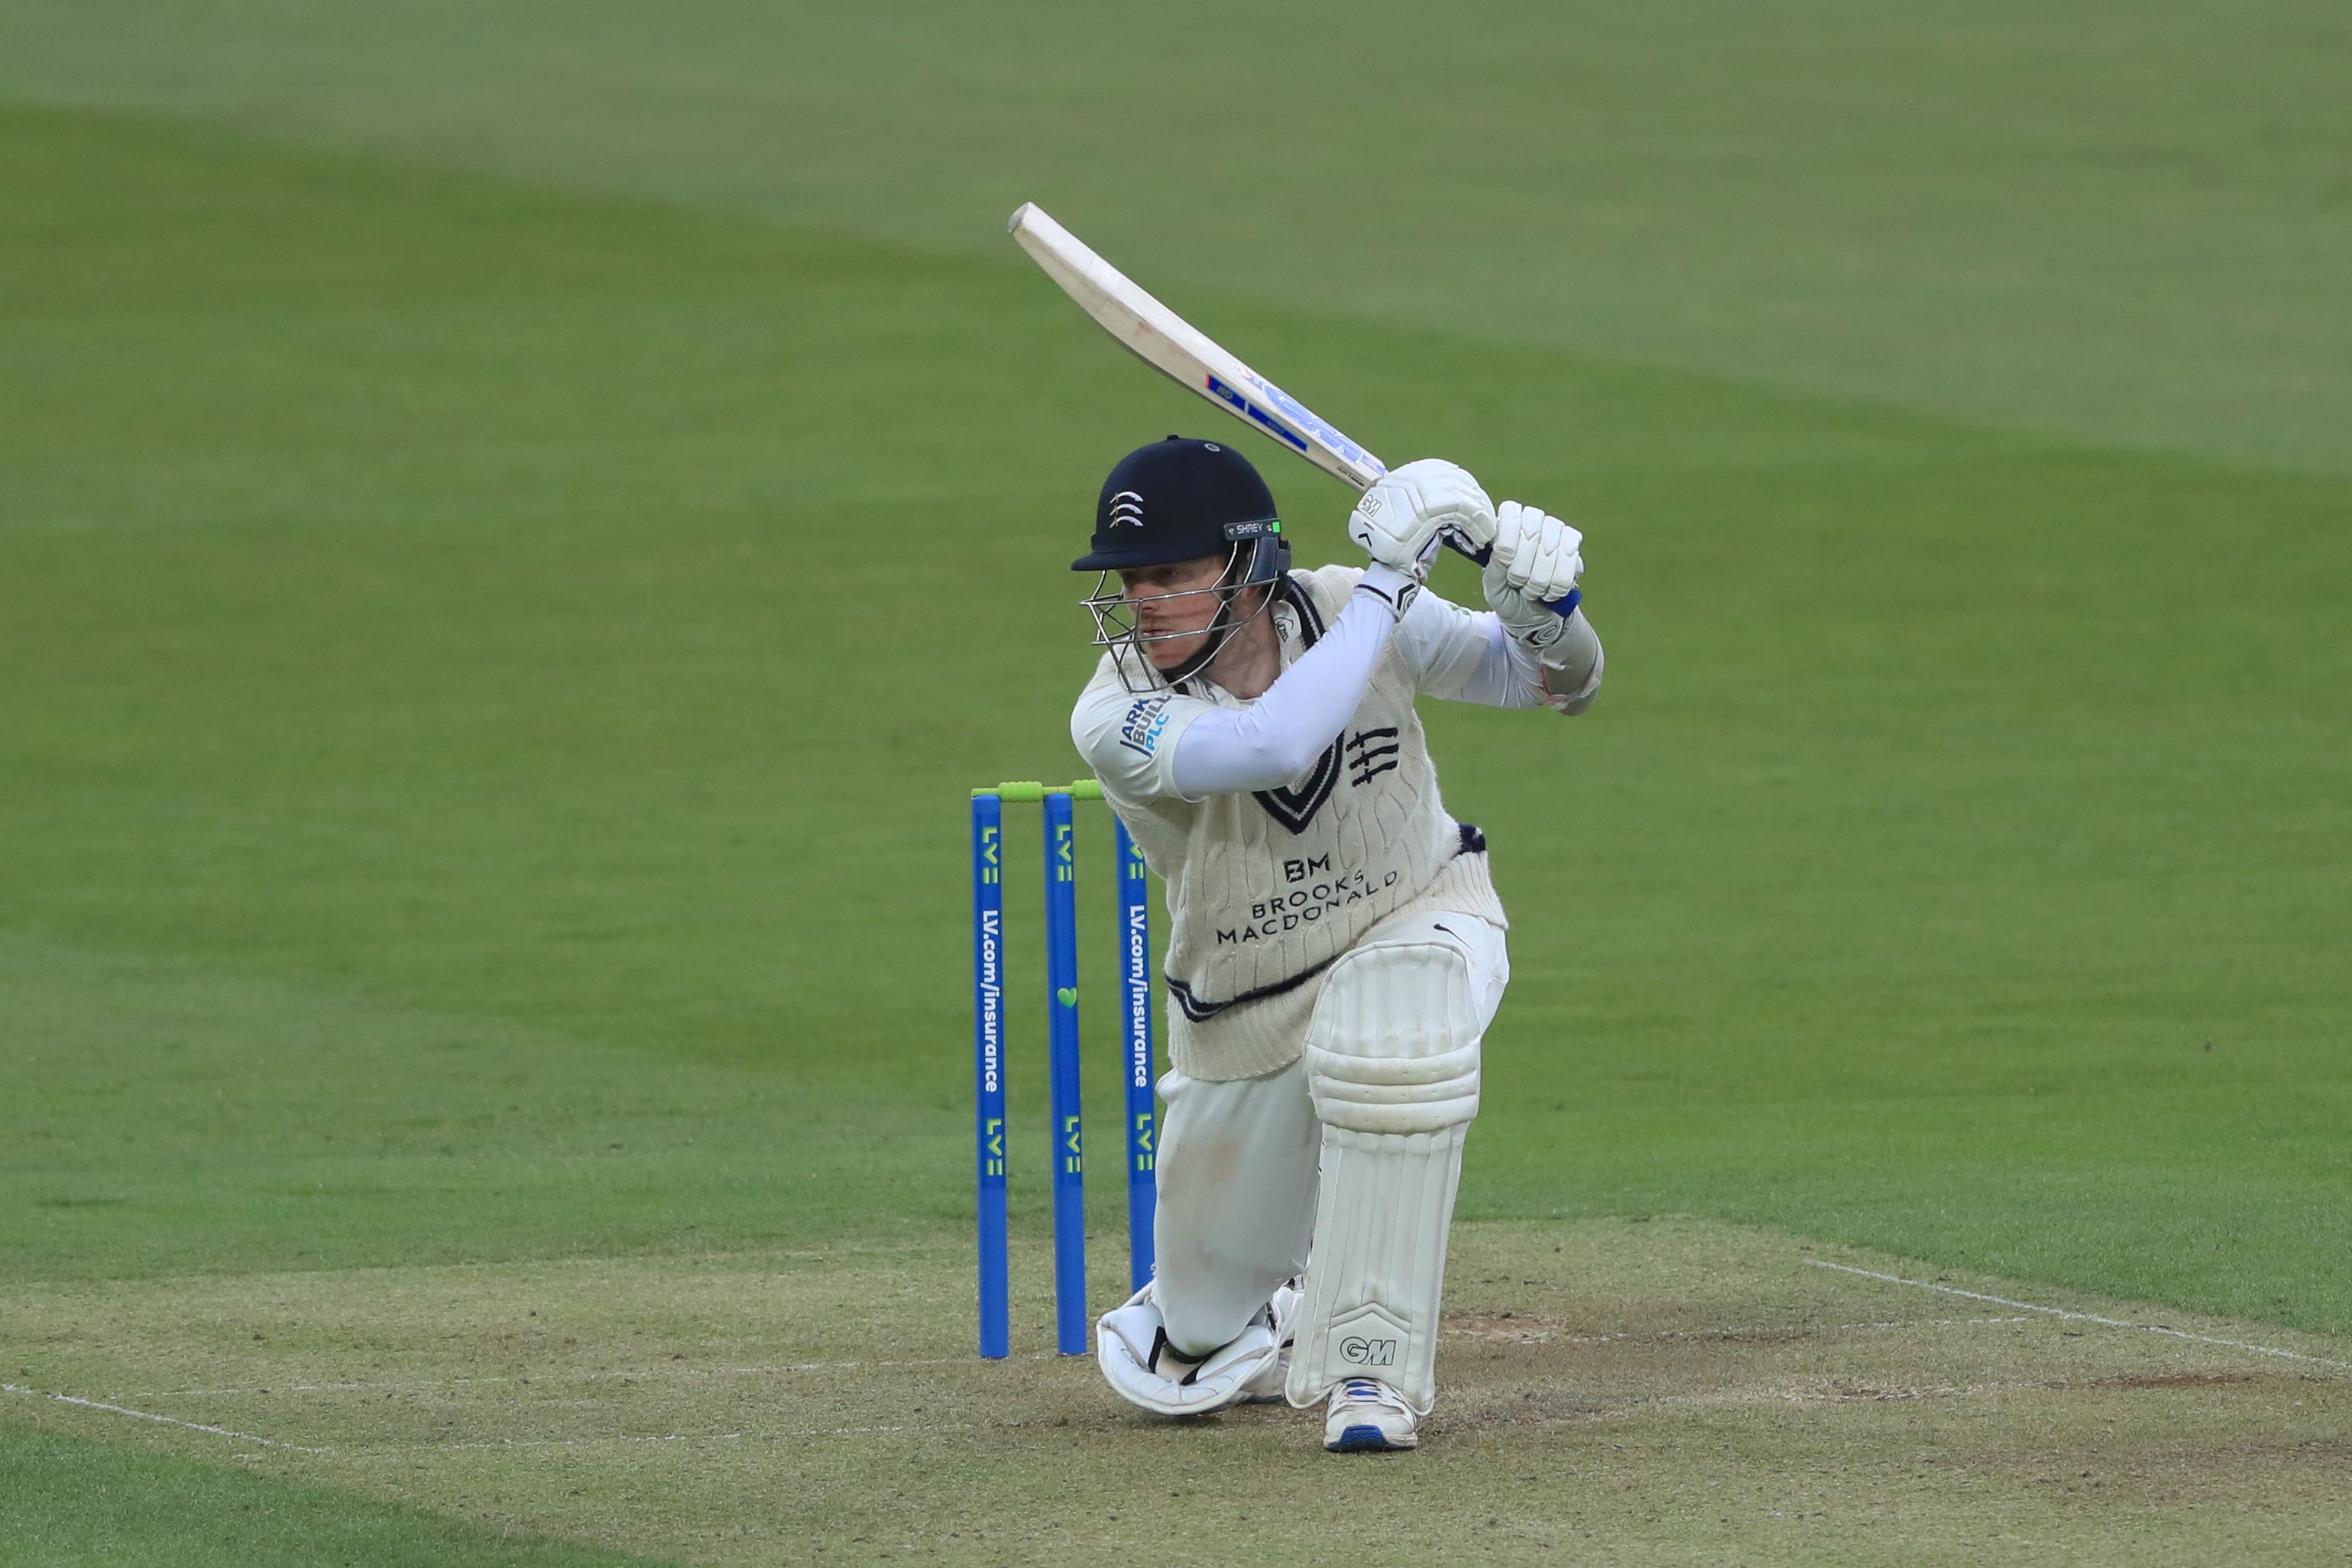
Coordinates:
(1357, 1350)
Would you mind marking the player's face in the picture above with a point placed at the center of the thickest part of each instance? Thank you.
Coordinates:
(1173, 627)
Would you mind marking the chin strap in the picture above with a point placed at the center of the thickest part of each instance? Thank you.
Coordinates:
(1218, 631)
(1221, 630)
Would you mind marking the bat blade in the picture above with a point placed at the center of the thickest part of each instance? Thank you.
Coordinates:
(1188, 357)
(1173, 346)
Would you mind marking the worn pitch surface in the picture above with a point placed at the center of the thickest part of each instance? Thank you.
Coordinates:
(1661, 1391)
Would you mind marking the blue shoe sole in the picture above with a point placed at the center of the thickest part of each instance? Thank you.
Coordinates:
(1360, 1441)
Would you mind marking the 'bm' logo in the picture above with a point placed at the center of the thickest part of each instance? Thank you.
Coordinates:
(1361, 1352)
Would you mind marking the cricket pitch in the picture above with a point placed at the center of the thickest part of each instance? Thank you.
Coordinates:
(1667, 1391)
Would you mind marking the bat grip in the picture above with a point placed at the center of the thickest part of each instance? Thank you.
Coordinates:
(1563, 606)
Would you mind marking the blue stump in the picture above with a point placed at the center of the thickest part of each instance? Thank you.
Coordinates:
(1070, 1319)
(988, 1069)
(1142, 1126)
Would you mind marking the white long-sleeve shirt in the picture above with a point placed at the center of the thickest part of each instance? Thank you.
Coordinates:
(1288, 825)
(1454, 654)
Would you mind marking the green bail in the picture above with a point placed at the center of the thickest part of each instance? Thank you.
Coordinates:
(1029, 792)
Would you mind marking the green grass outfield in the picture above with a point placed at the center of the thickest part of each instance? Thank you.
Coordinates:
(518, 531)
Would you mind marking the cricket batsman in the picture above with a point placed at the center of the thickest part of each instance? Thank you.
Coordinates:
(1336, 947)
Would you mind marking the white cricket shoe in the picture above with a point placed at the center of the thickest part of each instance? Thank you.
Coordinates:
(1366, 1417)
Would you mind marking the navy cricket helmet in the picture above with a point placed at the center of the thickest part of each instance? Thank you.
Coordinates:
(1180, 499)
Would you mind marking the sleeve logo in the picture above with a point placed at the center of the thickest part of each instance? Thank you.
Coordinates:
(1139, 730)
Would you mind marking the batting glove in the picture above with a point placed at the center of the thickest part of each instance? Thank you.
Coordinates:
(1409, 511)
(1536, 559)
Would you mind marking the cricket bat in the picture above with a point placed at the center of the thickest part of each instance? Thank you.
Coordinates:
(1174, 347)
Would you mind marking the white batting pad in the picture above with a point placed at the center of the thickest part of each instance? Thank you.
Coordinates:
(1392, 1063)
(1377, 1270)
(1128, 1337)
(1393, 1045)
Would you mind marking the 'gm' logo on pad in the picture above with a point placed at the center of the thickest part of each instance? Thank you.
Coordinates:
(1357, 1350)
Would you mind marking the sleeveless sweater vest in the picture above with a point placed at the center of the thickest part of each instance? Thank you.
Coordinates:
(1266, 891)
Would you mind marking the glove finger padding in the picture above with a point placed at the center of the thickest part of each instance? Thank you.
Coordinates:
(1539, 555)
(1401, 518)
(1510, 537)
(1131, 1336)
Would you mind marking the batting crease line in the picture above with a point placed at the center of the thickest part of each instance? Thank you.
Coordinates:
(99, 1405)
(650, 1374)
(1785, 1396)
(2083, 1317)
(1750, 1396)
(1794, 1331)
(657, 1375)
(667, 1438)
(1476, 1427)
(160, 1420)
(1473, 1426)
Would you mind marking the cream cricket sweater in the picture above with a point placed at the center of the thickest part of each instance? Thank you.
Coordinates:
(1266, 889)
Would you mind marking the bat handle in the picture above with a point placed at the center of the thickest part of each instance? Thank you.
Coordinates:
(1563, 606)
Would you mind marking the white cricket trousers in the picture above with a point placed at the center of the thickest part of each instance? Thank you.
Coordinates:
(1238, 1160)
